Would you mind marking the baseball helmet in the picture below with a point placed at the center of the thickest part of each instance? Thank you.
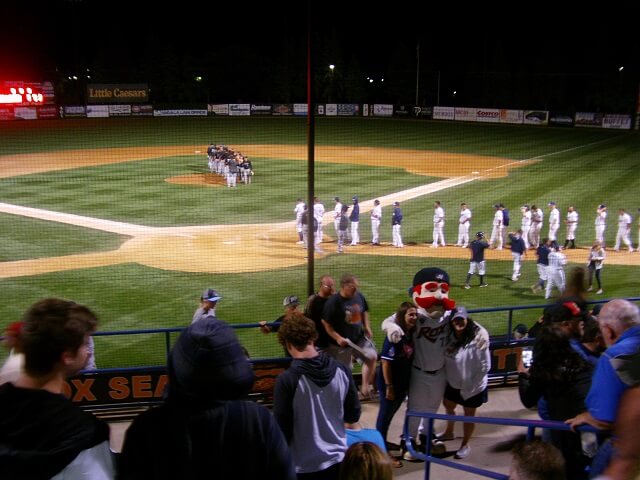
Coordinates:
(480, 235)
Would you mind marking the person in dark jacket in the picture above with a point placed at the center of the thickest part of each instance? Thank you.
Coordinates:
(205, 428)
(313, 399)
(563, 377)
(42, 434)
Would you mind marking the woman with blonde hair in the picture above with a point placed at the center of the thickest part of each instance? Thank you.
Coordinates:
(366, 461)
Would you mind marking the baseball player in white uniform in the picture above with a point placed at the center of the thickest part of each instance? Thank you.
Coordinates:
(554, 223)
(337, 213)
(318, 213)
(526, 225)
(496, 231)
(555, 271)
(572, 225)
(299, 210)
(464, 223)
(601, 223)
(376, 218)
(624, 230)
(537, 216)
(438, 225)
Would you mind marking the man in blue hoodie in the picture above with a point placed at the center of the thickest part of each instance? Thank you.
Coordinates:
(312, 401)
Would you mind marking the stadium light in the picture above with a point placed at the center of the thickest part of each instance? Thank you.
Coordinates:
(621, 68)
(198, 78)
(331, 67)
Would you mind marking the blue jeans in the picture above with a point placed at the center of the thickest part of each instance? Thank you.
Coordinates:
(388, 408)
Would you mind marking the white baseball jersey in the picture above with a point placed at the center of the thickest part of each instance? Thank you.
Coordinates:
(554, 217)
(337, 210)
(376, 213)
(318, 211)
(299, 210)
(526, 219)
(429, 340)
(465, 216)
(601, 218)
(624, 221)
(572, 217)
(498, 218)
(438, 215)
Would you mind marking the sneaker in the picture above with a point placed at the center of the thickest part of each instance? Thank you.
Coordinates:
(599, 292)
(410, 458)
(590, 289)
(463, 452)
(438, 448)
(443, 437)
(467, 286)
(484, 285)
(299, 242)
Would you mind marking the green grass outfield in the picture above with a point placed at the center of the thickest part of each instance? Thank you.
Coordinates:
(583, 167)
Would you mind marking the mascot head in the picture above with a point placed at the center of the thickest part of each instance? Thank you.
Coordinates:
(430, 291)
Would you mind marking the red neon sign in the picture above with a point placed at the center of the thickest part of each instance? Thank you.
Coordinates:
(21, 96)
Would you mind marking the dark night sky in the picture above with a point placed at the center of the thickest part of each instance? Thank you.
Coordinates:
(118, 37)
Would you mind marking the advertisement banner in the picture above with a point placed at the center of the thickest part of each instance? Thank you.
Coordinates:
(47, 112)
(443, 113)
(119, 110)
(180, 112)
(300, 109)
(561, 119)
(74, 111)
(27, 93)
(319, 109)
(536, 117)
(425, 113)
(6, 113)
(282, 109)
(348, 109)
(97, 111)
(487, 115)
(511, 116)
(365, 109)
(331, 110)
(25, 113)
(622, 122)
(260, 109)
(117, 93)
(588, 119)
(382, 110)
(142, 110)
(239, 109)
(465, 114)
(402, 110)
(218, 109)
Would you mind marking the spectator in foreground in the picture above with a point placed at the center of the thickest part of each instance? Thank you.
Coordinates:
(313, 399)
(205, 428)
(536, 460)
(366, 461)
(42, 434)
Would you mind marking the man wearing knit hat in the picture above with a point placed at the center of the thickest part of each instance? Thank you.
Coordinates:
(205, 426)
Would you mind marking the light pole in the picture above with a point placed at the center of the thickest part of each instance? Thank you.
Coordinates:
(417, 71)
(331, 83)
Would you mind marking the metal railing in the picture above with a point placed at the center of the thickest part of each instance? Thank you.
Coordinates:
(429, 418)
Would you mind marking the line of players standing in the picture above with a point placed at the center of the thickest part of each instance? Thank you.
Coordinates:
(342, 220)
(231, 165)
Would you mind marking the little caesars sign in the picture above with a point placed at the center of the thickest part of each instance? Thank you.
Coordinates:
(117, 93)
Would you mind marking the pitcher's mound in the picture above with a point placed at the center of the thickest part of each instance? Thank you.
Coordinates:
(199, 179)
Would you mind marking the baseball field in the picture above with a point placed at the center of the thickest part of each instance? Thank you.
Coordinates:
(123, 216)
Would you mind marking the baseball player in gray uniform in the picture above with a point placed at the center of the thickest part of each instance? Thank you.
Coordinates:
(318, 214)
(555, 271)
(537, 216)
(299, 211)
(337, 213)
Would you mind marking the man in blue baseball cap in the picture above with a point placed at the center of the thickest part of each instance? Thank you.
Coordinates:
(208, 302)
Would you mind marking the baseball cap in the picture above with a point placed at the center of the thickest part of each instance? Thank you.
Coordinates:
(210, 295)
(520, 331)
(552, 203)
(290, 301)
(495, 205)
(397, 204)
(460, 312)
(480, 234)
(430, 274)
(355, 198)
(567, 310)
(337, 199)
(602, 205)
